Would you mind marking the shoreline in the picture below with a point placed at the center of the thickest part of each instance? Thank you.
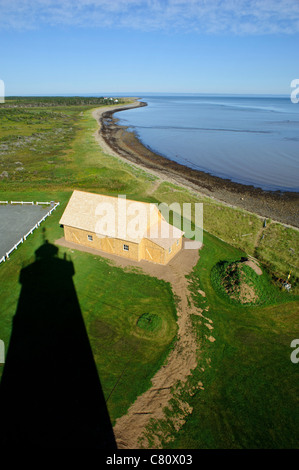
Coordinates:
(119, 141)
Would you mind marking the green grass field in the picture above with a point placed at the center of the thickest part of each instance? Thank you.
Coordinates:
(126, 355)
(249, 396)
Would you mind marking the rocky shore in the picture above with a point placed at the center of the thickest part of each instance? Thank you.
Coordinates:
(277, 205)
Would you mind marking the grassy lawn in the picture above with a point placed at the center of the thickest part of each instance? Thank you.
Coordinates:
(126, 355)
(250, 387)
(249, 394)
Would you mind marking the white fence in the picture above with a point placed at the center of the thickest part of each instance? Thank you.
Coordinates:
(30, 203)
(54, 205)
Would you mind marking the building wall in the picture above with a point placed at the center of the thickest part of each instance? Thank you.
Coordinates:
(174, 250)
(106, 244)
(147, 249)
(151, 252)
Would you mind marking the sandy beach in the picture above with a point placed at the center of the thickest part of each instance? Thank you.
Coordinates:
(117, 140)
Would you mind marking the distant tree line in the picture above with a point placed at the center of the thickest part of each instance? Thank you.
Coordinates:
(49, 101)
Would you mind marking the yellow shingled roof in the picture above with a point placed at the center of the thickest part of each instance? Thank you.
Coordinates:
(118, 217)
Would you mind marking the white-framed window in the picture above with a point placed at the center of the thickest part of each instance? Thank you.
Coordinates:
(177, 242)
(126, 247)
(89, 238)
(169, 249)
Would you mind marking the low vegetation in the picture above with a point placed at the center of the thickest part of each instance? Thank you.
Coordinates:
(278, 250)
(241, 284)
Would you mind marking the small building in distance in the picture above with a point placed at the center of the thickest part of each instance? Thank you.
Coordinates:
(116, 225)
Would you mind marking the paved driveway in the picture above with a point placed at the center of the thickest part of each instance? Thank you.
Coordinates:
(16, 221)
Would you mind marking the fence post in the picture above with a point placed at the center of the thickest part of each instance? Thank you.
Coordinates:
(2, 352)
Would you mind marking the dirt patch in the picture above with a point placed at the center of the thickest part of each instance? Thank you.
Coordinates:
(252, 264)
(211, 339)
(247, 294)
(130, 429)
(201, 292)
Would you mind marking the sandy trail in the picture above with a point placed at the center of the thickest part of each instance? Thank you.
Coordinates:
(97, 114)
(130, 429)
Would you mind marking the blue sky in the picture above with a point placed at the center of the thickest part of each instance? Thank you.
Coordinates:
(139, 46)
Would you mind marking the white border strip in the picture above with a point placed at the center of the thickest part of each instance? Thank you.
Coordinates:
(6, 256)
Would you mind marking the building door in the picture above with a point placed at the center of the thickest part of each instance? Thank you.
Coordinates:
(155, 255)
(107, 245)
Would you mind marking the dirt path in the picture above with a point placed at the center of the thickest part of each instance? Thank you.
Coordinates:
(153, 187)
(130, 429)
(260, 234)
(97, 115)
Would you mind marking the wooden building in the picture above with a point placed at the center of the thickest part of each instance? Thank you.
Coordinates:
(116, 225)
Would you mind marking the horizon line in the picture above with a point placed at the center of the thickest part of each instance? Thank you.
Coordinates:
(133, 94)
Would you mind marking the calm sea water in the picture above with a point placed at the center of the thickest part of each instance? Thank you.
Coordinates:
(250, 140)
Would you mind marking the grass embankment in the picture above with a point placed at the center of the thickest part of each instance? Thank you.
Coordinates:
(274, 245)
(248, 397)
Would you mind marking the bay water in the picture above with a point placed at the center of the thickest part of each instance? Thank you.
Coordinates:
(253, 140)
